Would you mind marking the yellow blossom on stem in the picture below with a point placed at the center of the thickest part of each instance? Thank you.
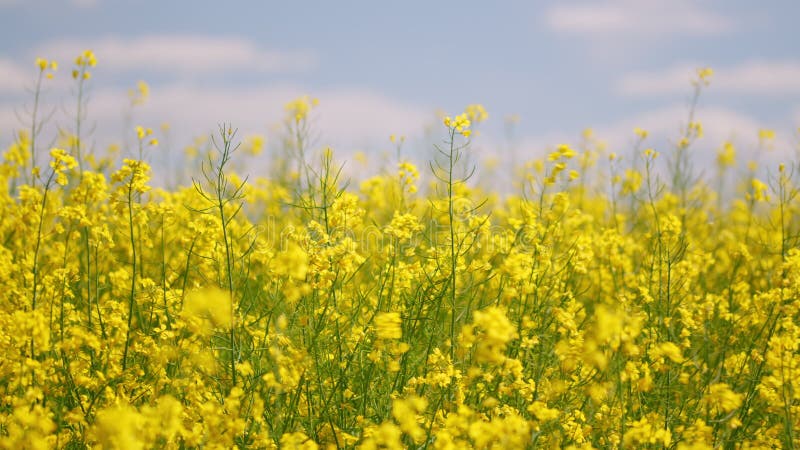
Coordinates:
(388, 325)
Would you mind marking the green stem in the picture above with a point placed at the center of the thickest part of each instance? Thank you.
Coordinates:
(453, 262)
(132, 298)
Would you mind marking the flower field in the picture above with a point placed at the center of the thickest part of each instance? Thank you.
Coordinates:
(608, 302)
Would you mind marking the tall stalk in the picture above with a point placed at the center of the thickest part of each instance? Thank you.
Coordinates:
(134, 188)
(219, 194)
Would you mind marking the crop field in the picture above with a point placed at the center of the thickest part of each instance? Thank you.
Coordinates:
(620, 299)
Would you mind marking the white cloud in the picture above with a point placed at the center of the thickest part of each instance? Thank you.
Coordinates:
(180, 54)
(643, 18)
(75, 3)
(753, 77)
(14, 77)
(369, 114)
(84, 3)
(719, 124)
(8, 123)
(346, 120)
(664, 127)
(343, 118)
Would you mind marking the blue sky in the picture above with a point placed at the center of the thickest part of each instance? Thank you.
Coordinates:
(383, 68)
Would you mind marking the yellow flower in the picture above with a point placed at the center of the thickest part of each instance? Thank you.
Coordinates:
(297, 441)
(299, 108)
(460, 124)
(566, 151)
(209, 308)
(759, 189)
(133, 174)
(542, 413)
(143, 88)
(142, 132)
(642, 432)
(407, 414)
(696, 129)
(476, 113)
(60, 163)
(704, 75)
(726, 156)
(86, 58)
(722, 398)
(139, 95)
(120, 427)
(766, 135)
(404, 226)
(254, 145)
(489, 332)
(388, 325)
(668, 350)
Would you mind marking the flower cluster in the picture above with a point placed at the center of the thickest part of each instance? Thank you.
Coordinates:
(82, 64)
(461, 123)
(298, 109)
(44, 64)
(594, 306)
(60, 163)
